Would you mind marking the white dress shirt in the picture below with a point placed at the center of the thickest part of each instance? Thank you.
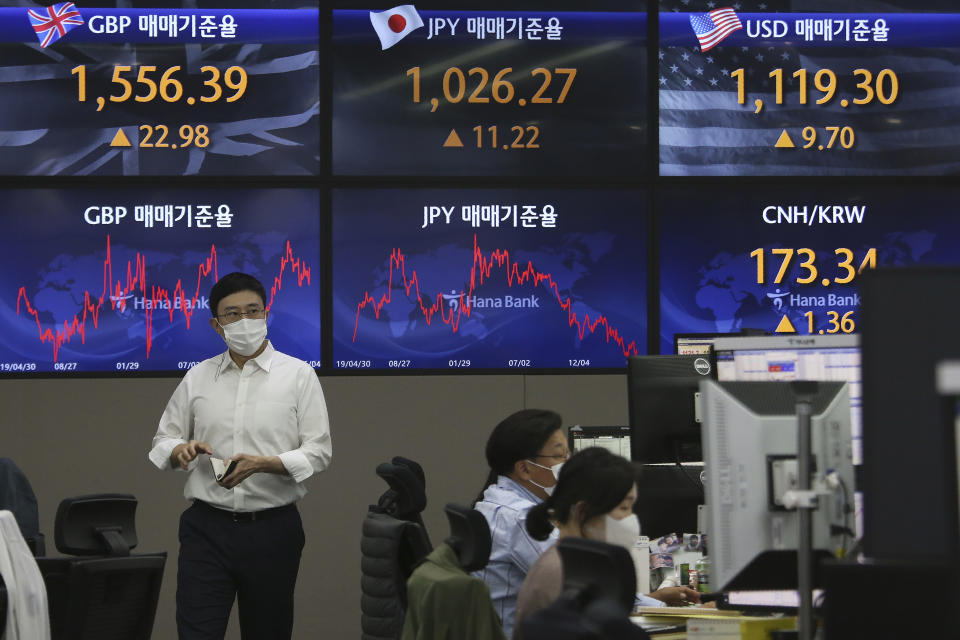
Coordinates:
(513, 551)
(274, 406)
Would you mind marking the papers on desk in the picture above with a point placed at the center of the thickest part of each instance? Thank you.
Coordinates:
(686, 612)
(662, 631)
(739, 628)
(708, 624)
(657, 620)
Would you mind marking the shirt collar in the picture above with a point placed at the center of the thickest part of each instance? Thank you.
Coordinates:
(509, 484)
(263, 360)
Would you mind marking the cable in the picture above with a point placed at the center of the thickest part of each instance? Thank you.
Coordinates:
(846, 512)
(683, 471)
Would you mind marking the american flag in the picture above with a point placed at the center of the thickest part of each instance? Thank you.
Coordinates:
(53, 24)
(705, 131)
(711, 28)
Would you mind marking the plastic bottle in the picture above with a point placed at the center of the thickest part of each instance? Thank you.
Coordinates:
(703, 574)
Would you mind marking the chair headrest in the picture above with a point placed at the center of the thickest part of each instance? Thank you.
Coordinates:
(413, 466)
(406, 497)
(469, 536)
(597, 570)
(100, 524)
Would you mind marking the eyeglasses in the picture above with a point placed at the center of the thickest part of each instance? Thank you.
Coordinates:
(558, 456)
(232, 316)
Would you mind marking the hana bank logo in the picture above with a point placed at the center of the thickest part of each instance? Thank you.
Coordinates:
(777, 299)
(453, 299)
(393, 25)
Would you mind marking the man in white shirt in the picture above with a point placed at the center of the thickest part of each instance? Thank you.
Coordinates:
(242, 536)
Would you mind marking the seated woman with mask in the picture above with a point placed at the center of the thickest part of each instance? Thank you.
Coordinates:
(593, 499)
(525, 452)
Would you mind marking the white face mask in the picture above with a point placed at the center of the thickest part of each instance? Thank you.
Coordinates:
(245, 336)
(623, 532)
(555, 469)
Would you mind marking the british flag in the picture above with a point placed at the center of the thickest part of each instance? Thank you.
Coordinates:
(54, 22)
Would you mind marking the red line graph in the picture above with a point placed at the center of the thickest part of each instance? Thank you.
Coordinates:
(482, 267)
(116, 293)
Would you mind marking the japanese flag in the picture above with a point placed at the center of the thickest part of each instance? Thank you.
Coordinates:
(393, 25)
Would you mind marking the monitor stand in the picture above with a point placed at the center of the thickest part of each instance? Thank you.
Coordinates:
(805, 501)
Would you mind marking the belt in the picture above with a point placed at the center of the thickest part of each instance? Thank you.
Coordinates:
(245, 516)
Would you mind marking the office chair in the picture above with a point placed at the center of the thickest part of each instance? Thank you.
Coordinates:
(446, 602)
(599, 589)
(469, 537)
(402, 500)
(393, 542)
(108, 593)
(17, 496)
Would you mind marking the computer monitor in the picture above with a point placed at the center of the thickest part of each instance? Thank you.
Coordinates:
(750, 455)
(948, 385)
(694, 344)
(667, 498)
(909, 472)
(614, 439)
(662, 397)
(701, 344)
(792, 357)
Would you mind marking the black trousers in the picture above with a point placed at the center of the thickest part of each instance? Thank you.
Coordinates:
(253, 560)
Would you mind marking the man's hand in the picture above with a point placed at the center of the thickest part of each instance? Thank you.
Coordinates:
(183, 454)
(676, 596)
(248, 465)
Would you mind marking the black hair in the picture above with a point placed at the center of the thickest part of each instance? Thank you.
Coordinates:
(519, 436)
(232, 283)
(595, 476)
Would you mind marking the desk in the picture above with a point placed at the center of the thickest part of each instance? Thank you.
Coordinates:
(661, 630)
(707, 623)
(668, 619)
